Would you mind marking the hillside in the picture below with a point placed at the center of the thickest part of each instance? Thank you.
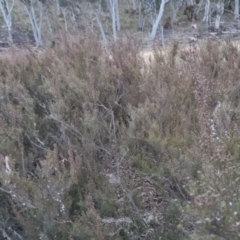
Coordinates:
(133, 140)
(99, 147)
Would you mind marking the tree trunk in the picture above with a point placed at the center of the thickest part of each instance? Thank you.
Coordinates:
(7, 11)
(58, 7)
(112, 9)
(98, 18)
(236, 10)
(49, 24)
(158, 20)
(134, 5)
(117, 15)
(64, 12)
(73, 18)
(220, 9)
(206, 12)
(36, 25)
(102, 32)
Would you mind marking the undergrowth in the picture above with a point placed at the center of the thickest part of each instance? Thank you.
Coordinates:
(102, 145)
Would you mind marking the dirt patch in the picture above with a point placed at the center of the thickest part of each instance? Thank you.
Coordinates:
(149, 56)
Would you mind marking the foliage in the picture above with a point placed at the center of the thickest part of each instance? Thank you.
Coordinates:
(102, 145)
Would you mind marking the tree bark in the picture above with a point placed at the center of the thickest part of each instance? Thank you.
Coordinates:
(158, 20)
(117, 15)
(36, 25)
(112, 9)
(7, 11)
(58, 7)
(206, 12)
(236, 10)
(64, 12)
(220, 10)
(134, 5)
(98, 18)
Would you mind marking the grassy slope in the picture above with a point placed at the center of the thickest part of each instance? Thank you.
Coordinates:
(125, 148)
(123, 142)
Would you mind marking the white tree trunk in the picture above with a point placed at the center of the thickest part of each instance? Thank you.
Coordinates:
(102, 31)
(236, 10)
(98, 18)
(220, 9)
(158, 20)
(6, 10)
(36, 25)
(73, 19)
(117, 15)
(206, 12)
(49, 24)
(58, 7)
(134, 5)
(64, 12)
(112, 9)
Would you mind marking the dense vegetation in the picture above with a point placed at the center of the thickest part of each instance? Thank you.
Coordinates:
(107, 143)
(102, 145)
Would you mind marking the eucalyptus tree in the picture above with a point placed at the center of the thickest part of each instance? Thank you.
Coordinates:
(72, 9)
(113, 6)
(69, 8)
(147, 9)
(236, 10)
(134, 5)
(206, 17)
(219, 12)
(158, 19)
(57, 4)
(35, 10)
(6, 7)
(214, 10)
(97, 13)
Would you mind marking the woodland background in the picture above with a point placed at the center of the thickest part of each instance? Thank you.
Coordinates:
(98, 142)
(37, 22)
